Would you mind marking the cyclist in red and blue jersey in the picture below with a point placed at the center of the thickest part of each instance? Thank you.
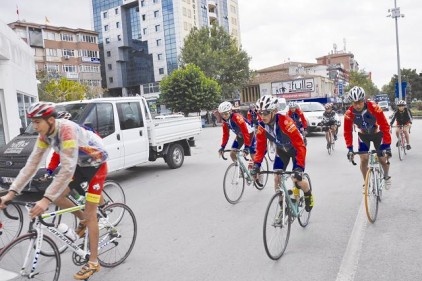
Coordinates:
(282, 131)
(297, 115)
(373, 127)
(253, 116)
(236, 122)
(83, 159)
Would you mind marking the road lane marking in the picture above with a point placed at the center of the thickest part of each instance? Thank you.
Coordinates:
(349, 263)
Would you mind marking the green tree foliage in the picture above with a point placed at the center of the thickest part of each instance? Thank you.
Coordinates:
(187, 89)
(58, 89)
(414, 84)
(216, 53)
(361, 79)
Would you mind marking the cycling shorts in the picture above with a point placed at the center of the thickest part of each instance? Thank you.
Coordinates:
(94, 176)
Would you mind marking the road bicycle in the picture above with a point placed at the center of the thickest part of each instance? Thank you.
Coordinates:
(25, 257)
(237, 174)
(401, 143)
(374, 183)
(112, 193)
(11, 223)
(278, 220)
(329, 135)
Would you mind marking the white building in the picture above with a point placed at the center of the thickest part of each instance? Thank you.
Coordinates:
(18, 84)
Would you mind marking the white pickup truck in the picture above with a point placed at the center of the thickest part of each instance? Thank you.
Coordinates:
(131, 135)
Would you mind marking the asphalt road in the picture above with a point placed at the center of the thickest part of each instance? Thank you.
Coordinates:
(187, 231)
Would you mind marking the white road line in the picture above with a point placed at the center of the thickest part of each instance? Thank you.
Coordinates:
(349, 264)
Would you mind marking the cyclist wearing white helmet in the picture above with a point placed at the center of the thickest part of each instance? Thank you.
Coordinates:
(404, 117)
(237, 123)
(330, 121)
(83, 158)
(253, 116)
(373, 127)
(297, 115)
(282, 131)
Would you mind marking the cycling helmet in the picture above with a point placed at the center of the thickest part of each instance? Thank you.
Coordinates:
(41, 110)
(64, 115)
(267, 102)
(225, 106)
(401, 102)
(356, 94)
(293, 104)
(329, 106)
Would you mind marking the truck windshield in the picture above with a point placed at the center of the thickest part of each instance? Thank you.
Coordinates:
(75, 109)
(310, 107)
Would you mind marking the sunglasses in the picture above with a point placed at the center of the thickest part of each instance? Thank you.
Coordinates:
(225, 113)
(265, 112)
(402, 105)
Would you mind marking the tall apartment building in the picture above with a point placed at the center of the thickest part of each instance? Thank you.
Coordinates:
(62, 51)
(140, 40)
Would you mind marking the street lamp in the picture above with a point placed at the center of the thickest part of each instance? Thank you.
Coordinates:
(395, 13)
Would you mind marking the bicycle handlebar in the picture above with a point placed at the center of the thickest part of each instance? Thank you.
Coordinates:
(382, 152)
(237, 151)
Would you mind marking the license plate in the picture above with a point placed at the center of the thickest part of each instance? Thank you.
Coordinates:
(7, 179)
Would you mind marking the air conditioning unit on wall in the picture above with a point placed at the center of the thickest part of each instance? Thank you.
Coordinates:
(66, 57)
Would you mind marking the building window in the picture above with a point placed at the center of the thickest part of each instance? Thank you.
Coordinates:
(158, 42)
(108, 54)
(142, 3)
(88, 53)
(51, 52)
(66, 37)
(109, 66)
(69, 68)
(157, 28)
(107, 40)
(52, 68)
(160, 56)
(156, 14)
(155, 1)
(106, 27)
(161, 71)
(117, 24)
(110, 79)
(105, 15)
(143, 17)
(144, 31)
(119, 37)
(69, 53)
(116, 11)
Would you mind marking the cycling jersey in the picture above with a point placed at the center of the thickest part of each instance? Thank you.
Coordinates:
(403, 117)
(329, 118)
(298, 117)
(239, 126)
(76, 146)
(369, 121)
(285, 135)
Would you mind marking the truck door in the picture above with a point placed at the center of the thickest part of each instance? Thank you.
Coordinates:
(133, 132)
(101, 120)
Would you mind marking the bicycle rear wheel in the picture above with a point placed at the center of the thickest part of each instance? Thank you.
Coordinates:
(233, 183)
(11, 222)
(276, 227)
(304, 216)
(371, 194)
(113, 192)
(330, 142)
(400, 148)
(116, 239)
(262, 178)
(13, 256)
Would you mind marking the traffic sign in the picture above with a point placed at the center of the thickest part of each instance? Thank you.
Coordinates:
(403, 89)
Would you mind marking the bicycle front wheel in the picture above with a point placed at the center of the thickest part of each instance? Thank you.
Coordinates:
(16, 259)
(116, 239)
(271, 150)
(262, 178)
(304, 216)
(371, 194)
(233, 183)
(400, 148)
(277, 225)
(11, 222)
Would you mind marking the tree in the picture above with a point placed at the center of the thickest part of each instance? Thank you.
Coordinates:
(216, 53)
(54, 88)
(414, 84)
(187, 89)
(361, 79)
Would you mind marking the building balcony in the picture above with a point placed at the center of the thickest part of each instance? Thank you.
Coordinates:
(212, 4)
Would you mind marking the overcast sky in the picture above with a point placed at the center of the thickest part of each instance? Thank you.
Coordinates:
(275, 31)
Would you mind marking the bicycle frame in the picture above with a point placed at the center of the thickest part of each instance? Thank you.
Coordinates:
(39, 229)
(242, 166)
(294, 206)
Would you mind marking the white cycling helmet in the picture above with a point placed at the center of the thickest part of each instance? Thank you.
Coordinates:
(267, 102)
(401, 102)
(329, 106)
(293, 104)
(356, 94)
(225, 106)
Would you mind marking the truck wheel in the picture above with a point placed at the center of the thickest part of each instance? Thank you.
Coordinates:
(175, 156)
